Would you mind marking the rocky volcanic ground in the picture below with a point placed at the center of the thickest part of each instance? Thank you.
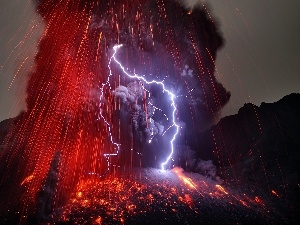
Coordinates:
(152, 196)
(261, 187)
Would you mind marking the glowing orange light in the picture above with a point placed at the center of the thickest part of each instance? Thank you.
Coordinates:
(188, 198)
(243, 203)
(186, 180)
(98, 220)
(79, 194)
(131, 207)
(275, 193)
(220, 188)
(26, 180)
(258, 200)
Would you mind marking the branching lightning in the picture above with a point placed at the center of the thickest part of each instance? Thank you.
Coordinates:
(140, 78)
(117, 145)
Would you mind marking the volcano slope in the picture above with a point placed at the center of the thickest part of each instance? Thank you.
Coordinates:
(260, 186)
(151, 196)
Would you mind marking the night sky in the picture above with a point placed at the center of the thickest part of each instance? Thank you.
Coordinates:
(260, 61)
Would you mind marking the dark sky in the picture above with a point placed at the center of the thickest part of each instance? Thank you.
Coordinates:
(20, 30)
(260, 61)
(261, 58)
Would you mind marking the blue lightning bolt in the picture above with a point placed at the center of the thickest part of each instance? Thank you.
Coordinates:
(140, 78)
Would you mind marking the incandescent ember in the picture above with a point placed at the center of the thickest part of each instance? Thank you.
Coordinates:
(156, 196)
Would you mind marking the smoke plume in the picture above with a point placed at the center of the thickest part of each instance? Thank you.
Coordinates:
(189, 4)
(162, 40)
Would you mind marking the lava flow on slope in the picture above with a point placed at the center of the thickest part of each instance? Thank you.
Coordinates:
(152, 196)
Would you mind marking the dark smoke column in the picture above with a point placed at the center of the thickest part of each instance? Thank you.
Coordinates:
(161, 39)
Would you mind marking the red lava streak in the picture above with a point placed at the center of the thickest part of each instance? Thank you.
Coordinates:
(63, 105)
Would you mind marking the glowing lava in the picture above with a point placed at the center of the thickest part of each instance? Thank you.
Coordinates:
(186, 180)
(121, 199)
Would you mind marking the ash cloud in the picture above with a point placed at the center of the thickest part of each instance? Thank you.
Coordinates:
(139, 111)
(189, 4)
(166, 42)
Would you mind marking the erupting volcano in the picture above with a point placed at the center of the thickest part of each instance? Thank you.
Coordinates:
(118, 86)
(89, 114)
